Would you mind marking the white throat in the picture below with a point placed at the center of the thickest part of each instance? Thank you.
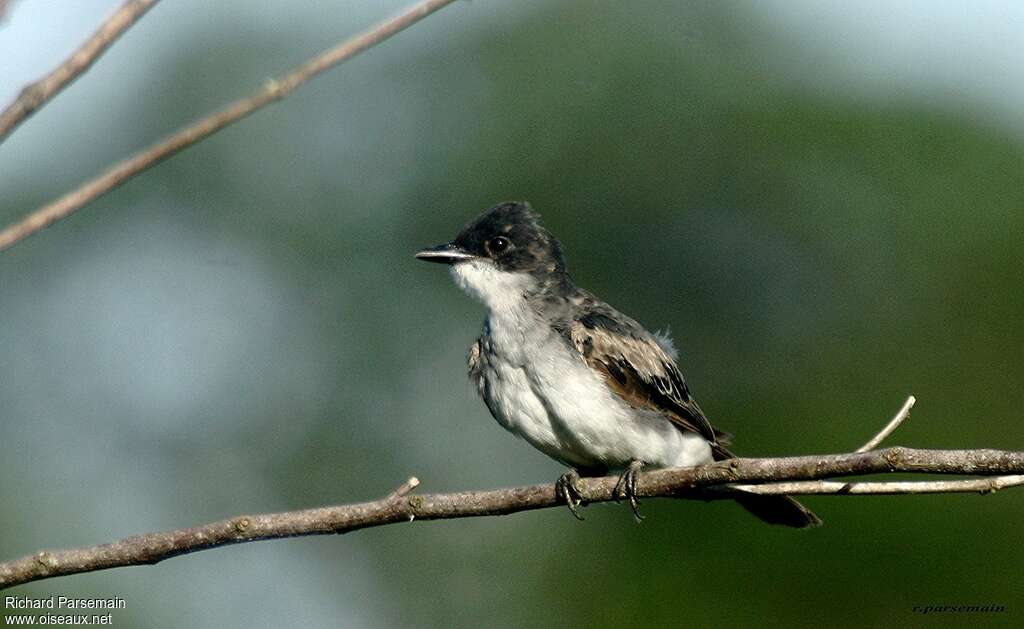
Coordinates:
(501, 291)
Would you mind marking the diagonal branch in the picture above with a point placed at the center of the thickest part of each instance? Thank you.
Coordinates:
(692, 482)
(893, 424)
(271, 91)
(822, 487)
(34, 95)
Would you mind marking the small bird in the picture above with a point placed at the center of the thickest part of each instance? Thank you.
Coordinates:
(574, 377)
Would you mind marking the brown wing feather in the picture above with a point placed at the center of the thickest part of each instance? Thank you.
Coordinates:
(645, 375)
(640, 371)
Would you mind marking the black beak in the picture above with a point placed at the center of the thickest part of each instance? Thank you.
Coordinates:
(447, 253)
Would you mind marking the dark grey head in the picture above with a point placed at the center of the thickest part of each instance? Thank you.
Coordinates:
(509, 235)
(504, 255)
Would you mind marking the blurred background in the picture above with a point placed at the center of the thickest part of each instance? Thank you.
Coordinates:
(823, 201)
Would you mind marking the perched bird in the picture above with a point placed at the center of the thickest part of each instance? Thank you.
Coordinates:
(577, 379)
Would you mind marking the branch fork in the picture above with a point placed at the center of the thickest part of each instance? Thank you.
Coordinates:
(801, 475)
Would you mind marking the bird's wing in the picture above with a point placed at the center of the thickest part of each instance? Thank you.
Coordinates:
(637, 367)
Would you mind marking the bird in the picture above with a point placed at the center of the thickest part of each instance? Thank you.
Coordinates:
(578, 380)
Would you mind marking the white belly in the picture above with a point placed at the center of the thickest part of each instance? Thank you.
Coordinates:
(541, 390)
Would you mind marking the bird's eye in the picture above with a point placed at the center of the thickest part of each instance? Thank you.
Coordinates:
(498, 245)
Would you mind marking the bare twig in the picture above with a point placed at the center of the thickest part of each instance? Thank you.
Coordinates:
(821, 487)
(813, 487)
(35, 95)
(403, 489)
(903, 413)
(271, 91)
(693, 482)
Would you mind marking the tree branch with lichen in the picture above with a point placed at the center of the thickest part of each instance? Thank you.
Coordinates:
(992, 470)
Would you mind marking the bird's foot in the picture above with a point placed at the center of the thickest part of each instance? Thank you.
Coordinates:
(567, 486)
(626, 487)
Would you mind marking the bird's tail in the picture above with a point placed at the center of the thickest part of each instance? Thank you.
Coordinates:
(781, 510)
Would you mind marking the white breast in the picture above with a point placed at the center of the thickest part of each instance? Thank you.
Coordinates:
(540, 388)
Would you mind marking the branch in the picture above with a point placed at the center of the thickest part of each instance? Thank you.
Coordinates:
(815, 487)
(808, 488)
(901, 415)
(271, 91)
(693, 482)
(34, 95)
(822, 487)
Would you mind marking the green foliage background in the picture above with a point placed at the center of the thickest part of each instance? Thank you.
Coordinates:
(244, 328)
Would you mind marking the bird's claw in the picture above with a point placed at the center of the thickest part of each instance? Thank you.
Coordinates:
(567, 486)
(626, 487)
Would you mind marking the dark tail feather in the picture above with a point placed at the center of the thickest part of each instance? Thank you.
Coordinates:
(781, 510)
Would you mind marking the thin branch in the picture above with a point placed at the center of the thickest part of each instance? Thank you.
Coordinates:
(34, 95)
(807, 488)
(271, 91)
(903, 413)
(403, 489)
(815, 487)
(692, 482)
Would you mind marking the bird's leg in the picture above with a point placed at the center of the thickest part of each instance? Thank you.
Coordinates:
(567, 486)
(626, 487)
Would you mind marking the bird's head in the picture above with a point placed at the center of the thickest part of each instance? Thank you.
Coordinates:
(504, 252)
